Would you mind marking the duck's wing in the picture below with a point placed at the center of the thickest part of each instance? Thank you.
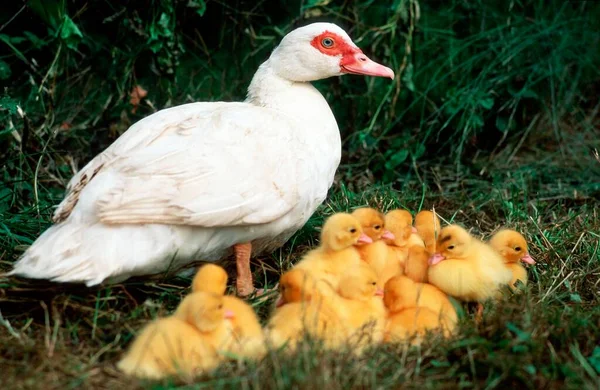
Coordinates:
(215, 164)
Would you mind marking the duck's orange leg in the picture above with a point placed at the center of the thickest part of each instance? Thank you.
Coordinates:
(244, 283)
(479, 313)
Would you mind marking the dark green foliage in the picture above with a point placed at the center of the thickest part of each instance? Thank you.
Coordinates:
(492, 120)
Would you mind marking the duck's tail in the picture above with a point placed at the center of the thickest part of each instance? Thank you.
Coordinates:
(57, 255)
(90, 253)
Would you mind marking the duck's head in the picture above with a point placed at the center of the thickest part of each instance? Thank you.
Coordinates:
(359, 283)
(321, 50)
(341, 231)
(400, 292)
(512, 246)
(399, 223)
(205, 311)
(453, 242)
(427, 219)
(373, 223)
(295, 286)
(210, 278)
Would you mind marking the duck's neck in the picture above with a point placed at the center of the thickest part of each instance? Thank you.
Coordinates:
(268, 89)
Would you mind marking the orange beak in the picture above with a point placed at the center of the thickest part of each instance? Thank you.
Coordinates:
(364, 239)
(528, 259)
(358, 63)
(229, 315)
(388, 235)
(436, 258)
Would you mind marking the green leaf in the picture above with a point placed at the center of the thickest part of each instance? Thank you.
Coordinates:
(396, 159)
(576, 298)
(199, 5)
(9, 104)
(37, 42)
(4, 70)
(50, 11)
(407, 77)
(70, 33)
(502, 123)
(595, 359)
(487, 102)
(418, 151)
(521, 334)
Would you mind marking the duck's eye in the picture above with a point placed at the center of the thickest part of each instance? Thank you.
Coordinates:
(352, 230)
(377, 227)
(220, 306)
(518, 248)
(327, 42)
(451, 247)
(374, 283)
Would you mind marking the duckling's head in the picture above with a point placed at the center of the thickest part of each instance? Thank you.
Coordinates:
(512, 246)
(427, 220)
(359, 283)
(373, 223)
(453, 243)
(210, 278)
(205, 311)
(399, 293)
(295, 286)
(399, 223)
(341, 231)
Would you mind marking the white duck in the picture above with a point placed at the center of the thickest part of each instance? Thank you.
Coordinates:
(195, 181)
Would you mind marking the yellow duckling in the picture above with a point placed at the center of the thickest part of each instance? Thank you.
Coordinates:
(376, 252)
(427, 225)
(182, 345)
(406, 250)
(467, 268)
(337, 252)
(403, 293)
(247, 332)
(513, 247)
(312, 307)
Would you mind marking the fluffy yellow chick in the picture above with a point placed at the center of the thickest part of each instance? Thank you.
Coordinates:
(303, 310)
(361, 306)
(467, 268)
(403, 293)
(247, 333)
(406, 250)
(355, 315)
(337, 252)
(513, 247)
(375, 253)
(428, 227)
(179, 345)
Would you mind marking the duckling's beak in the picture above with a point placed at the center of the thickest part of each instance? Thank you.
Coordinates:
(280, 302)
(388, 235)
(414, 230)
(379, 292)
(364, 239)
(229, 315)
(528, 259)
(436, 258)
(358, 63)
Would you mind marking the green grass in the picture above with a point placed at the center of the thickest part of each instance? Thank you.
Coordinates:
(546, 338)
(493, 121)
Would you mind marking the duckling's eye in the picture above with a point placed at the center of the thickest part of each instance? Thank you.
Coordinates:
(220, 306)
(377, 227)
(518, 248)
(450, 247)
(352, 230)
(374, 283)
(327, 42)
